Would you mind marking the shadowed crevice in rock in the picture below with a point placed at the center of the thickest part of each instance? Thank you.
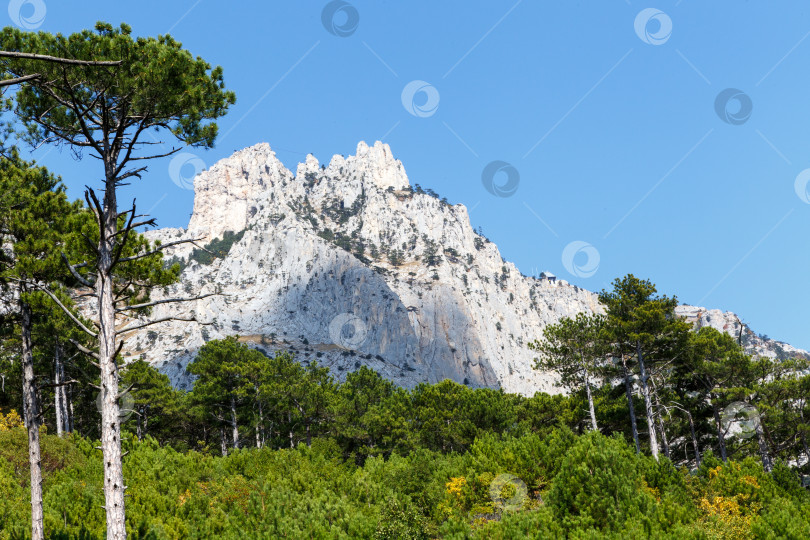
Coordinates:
(385, 328)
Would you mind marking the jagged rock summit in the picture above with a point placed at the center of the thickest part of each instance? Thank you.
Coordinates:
(348, 264)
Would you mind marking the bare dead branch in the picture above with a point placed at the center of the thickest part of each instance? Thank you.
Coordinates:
(118, 349)
(159, 249)
(57, 60)
(96, 205)
(156, 321)
(174, 151)
(134, 172)
(166, 301)
(19, 80)
(76, 274)
(124, 391)
(56, 385)
(68, 312)
(86, 351)
(127, 230)
(151, 222)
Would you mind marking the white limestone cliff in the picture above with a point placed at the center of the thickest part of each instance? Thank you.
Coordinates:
(347, 265)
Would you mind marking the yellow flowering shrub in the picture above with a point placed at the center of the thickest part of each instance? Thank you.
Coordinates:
(455, 485)
(10, 421)
(725, 518)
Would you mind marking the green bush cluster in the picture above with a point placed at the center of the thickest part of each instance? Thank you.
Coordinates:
(576, 486)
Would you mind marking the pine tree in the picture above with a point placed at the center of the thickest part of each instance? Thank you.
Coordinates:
(156, 405)
(158, 86)
(575, 349)
(644, 326)
(220, 370)
(34, 212)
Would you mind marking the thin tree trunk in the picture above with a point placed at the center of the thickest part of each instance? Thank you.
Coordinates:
(648, 408)
(110, 415)
(223, 441)
(806, 448)
(139, 428)
(60, 393)
(664, 440)
(628, 388)
(31, 416)
(71, 415)
(234, 425)
(721, 438)
(260, 428)
(767, 462)
(590, 403)
(694, 438)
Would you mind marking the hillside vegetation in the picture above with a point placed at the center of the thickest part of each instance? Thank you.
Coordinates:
(538, 481)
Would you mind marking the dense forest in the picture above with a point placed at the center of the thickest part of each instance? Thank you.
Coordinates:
(660, 430)
(266, 446)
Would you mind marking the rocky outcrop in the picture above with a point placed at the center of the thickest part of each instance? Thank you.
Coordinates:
(347, 264)
(731, 324)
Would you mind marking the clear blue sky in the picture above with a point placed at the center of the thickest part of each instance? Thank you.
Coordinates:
(614, 132)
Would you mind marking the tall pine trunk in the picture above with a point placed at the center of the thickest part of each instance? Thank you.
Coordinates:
(71, 414)
(234, 425)
(260, 427)
(223, 443)
(591, 408)
(648, 408)
(139, 424)
(664, 440)
(628, 388)
(60, 393)
(31, 417)
(110, 415)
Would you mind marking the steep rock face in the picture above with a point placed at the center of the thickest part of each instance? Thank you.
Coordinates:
(349, 265)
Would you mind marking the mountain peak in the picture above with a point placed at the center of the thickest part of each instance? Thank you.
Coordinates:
(375, 164)
(345, 266)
